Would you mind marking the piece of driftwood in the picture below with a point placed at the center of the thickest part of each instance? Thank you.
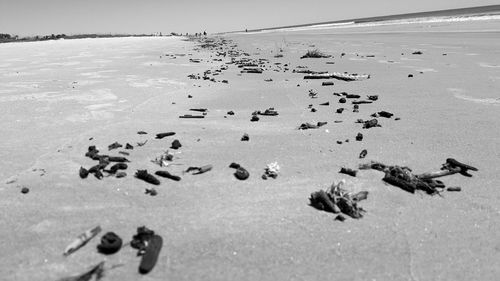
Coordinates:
(404, 178)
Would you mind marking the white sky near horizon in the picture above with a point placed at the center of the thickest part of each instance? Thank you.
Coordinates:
(42, 17)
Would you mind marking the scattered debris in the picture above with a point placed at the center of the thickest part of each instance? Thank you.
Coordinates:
(167, 175)
(404, 178)
(176, 144)
(149, 245)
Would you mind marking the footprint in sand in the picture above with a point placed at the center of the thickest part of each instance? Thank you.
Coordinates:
(460, 94)
(489, 65)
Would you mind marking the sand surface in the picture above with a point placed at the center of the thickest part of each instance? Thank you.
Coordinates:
(59, 97)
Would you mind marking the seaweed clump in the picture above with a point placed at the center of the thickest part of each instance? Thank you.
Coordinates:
(338, 200)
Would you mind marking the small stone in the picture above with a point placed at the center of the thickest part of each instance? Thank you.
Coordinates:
(255, 118)
(363, 154)
(342, 100)
(245, 137)
(176, 144)
(25, 190)
(359, 137)
(121, 174)
(454, 188)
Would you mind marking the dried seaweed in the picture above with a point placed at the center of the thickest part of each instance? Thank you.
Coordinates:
(336, 200)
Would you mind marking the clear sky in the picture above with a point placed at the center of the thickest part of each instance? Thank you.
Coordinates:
(41, 17)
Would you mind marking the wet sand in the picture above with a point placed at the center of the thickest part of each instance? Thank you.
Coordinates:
(56, 96)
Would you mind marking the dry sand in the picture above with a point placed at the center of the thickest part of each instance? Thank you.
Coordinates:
(55, 96)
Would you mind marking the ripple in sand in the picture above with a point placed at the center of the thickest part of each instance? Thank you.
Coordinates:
(489, 65)
(459, 94)
(67, 63)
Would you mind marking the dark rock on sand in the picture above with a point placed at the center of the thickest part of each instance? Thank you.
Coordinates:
(162, 135)
(176, 144)
(110, 243)
(83, 173)
(167, 175)
(114, 146)
(342, 100)
(241, 173)
(245, 137)
(359, 137)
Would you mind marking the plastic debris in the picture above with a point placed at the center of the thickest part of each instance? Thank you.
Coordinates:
(82, 240)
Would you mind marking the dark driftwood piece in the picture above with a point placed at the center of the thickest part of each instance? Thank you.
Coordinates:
(189, 116)
(404, 178)
(145, 176)
(167, 175)
(162, 135)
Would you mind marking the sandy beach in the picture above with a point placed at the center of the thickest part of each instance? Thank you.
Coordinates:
(60, 97)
